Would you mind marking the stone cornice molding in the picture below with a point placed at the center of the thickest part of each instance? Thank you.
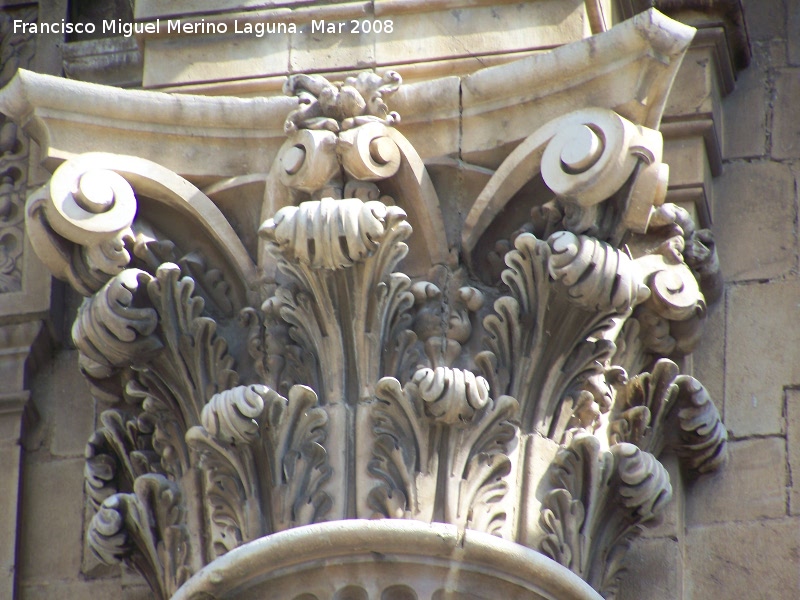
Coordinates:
(516, 379)
(242, 136)
(704, 14)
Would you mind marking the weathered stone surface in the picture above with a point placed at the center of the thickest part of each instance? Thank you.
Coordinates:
(654, 570)
(63, 401)
(110, 61)
(9, 505)
(346, 50)
(688, 159)
(690, 182)
(744, 132)
(766, 226)
(708, 358)
(793, 445)
(761, 351)
(753, 486)
(550, 84)
(766, 19)
(196, 58)
(793, 37)
(73, 590)
(699, 82)
(743, 560)
(786, 120)
(137, 593)
(151, 9)
(52, 497)
(469, 30)
(439, 132)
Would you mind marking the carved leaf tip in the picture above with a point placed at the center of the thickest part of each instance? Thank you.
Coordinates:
(651, 403)
(331, 234)
(146, 530)
(596, 275)
(232, 415)
(704, 439)
(451, 395)
(644, 482)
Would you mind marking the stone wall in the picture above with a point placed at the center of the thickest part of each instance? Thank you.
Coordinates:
(738, 532)
(738, 536)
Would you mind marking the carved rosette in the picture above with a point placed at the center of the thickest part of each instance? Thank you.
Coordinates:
(528, 401)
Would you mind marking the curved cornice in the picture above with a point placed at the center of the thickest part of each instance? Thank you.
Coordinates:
(629, 69)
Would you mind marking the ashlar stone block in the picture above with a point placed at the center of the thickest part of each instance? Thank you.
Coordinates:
(73, 590)
(52, 500)
(744, 112)
(793, 447)
(793, 41)
(470, 31)
(347, 45)
(654, 571)
(754, 222)
(786, 119)
(208, 57)
(751, 486)
(64, 404)
(766, 19)
(753, 560)
(9, 492)
(762, 355)
(708, 359)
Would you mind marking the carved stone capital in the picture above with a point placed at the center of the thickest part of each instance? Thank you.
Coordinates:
(373, 358)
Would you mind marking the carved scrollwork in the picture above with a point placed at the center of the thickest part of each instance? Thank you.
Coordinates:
(671, 319)
(480, 454)
(535, 355)
(89, 205)
(368, 153)
(590, 158)
(410, 443)
(403, 458)
(153, 325)
(341, 106)
(17, 45)
(232, 415)
(80, 223)
(147, 531)
(116, 454)
(597, 505)
(597, 276)
(115, 328)
(703, 436)
(451, 395)
(296, 430)
(650, 403)
(246, 429)
(335, 250)
(330, 234)
(308, 160)
(585, 157)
